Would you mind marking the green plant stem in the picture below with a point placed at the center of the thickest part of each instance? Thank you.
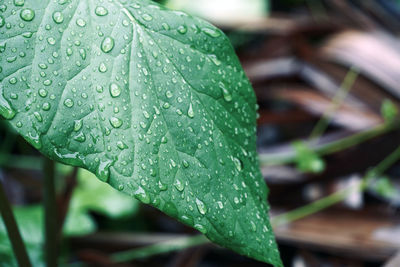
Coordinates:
(160, 248)
(12, 230)
(344, 90)
(285, 218)
(333, 147)
(337, 196)
(51, 216)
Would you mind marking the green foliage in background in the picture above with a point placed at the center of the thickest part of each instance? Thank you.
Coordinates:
(30, 220)
(153, 101)
(389, 111)
(308, 160)
(90, 195)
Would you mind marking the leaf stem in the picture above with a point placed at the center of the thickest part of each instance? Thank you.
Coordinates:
(339, 195)
(269, 159)
(12, 230)
(160, 248)
(285, 218)
(337, 100)
(51, 216)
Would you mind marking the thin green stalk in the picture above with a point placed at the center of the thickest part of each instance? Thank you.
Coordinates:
(50, 211)
(12, 229)
(333, 147)
(337, 196)
(191, 241)
(160, 248)
(344, 90)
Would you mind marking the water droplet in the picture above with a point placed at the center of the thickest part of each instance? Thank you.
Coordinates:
(102, 67)
(42, 66)
(69, 51)
(19, 2)
(69, 103)
(182, 29)
(2, 21)
(168, 94)
(226, 94)
(215, 60)
(101, 11)
(162, 186)
(51, 40)
(115, 122)
(103, 172)
(38, 116)
(81, 22)
(11, 59)
(147, 17)
(46, 106)
(5, 109)
(121, 187)
(179, 185)
(82, 53)
(12, 80)
(253, 226)
(115, 90)
(165, 26)
(201, 206)
(190, 111)
(211, 32)
(80, 138)
(185, 164)
(107, 45)
(58, 17)
(141, 195)
(27, 14)
(121, 145)
(43, 92)
(238, 164)
(200, 228)
(27, 34)
(78, 125)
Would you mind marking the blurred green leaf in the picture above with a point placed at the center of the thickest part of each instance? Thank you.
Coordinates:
(223, 11)
(307, 160)
(94, 195)
(30, 222)
(89, 195)
(389, 110)
(383, 187)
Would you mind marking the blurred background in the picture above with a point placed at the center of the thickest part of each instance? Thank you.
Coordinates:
(327, 78)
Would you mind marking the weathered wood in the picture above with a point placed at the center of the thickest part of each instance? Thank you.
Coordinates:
(345, 233)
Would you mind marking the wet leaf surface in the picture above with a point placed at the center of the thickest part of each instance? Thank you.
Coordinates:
(153, 101)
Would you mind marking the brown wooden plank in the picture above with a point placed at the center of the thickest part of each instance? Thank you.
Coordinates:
(343, 232)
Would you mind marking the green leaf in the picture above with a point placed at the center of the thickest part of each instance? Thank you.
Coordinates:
(389, 110)
(152, 101)
(307, 160)
(30, 223)
(93, 195)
